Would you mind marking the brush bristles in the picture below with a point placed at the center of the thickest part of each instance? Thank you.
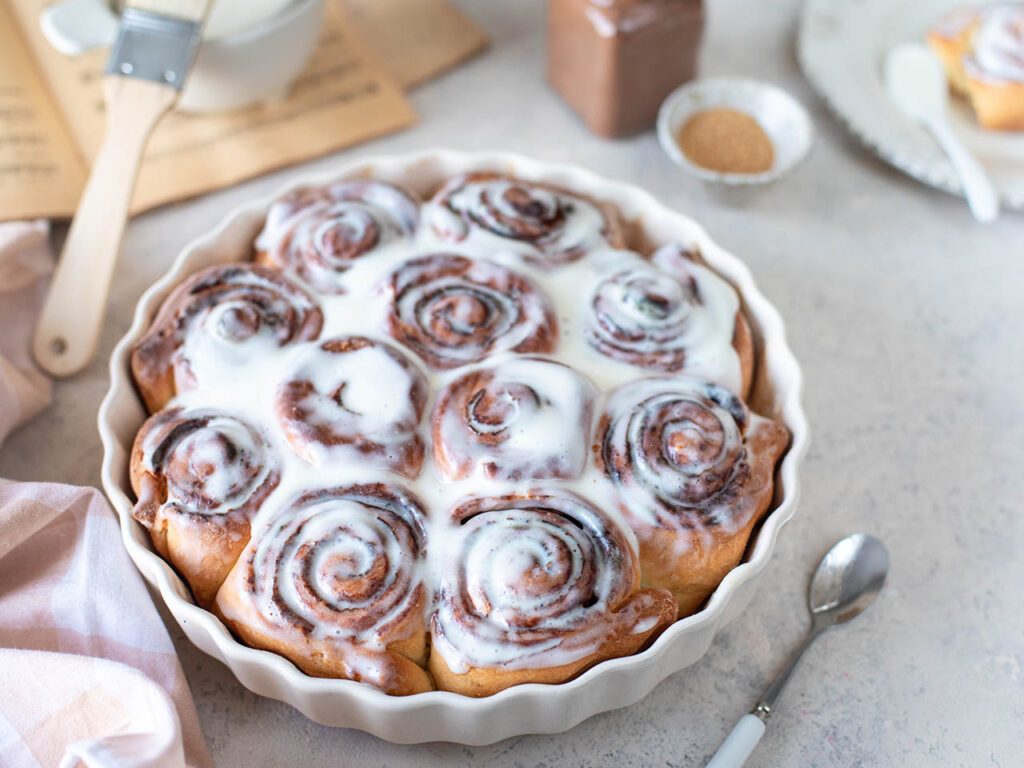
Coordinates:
(192, 10)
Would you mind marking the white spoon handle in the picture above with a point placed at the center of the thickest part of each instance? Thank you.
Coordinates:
(739, 743)
(981, 195)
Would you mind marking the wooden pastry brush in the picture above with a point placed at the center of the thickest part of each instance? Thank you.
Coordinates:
(149, 62)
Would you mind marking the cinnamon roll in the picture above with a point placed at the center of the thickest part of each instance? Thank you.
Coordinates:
(353, 398)
(333, 583)
(539, 587)
(317, 233)
(524, 418)
(671, 314)
(199, 477)
(546, 225)
(694, 471)
(982, 48)
(219, 318)
(452, 310)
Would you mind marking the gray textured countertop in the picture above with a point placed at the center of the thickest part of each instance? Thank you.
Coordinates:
(907, 319)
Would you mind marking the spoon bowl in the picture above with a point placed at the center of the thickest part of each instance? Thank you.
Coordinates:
(848, 580)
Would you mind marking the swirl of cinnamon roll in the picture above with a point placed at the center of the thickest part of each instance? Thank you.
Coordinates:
(670, 314)
(540, 586)
(996, 49)
(522, 418)
(317, 233)
(451, 311)
(694, 470)
(199, 477)
(333, 583)
(353, 397)
(218, 319)
(546, 225)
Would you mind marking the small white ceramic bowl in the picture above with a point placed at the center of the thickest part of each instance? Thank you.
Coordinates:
(438, 715)
(255, 64)
(781, 116)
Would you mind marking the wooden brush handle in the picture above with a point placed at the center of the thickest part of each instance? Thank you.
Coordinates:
(69, 326)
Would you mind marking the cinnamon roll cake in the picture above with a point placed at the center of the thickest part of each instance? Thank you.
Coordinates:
(459, 443)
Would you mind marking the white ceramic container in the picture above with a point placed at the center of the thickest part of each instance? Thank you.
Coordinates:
(439, 715)
(247, 58)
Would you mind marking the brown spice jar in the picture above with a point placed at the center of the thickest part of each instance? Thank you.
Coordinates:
(726, 140)
(615, 61)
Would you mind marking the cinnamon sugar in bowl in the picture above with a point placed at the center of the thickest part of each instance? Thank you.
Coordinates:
(734, 131)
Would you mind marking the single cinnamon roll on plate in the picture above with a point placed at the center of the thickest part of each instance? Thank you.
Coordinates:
(671, 313)
(333, 583)
(353, 398)
(200, 477)
(982, 48)
(539, 586)
(694, 470)
(452, 310)
(546, 225)
(220, 317)
(318, 232)
(523, 418)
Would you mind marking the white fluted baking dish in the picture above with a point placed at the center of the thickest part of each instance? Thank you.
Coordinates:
(521, 709)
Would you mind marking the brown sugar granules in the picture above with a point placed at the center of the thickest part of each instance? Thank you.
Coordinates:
(726, 140)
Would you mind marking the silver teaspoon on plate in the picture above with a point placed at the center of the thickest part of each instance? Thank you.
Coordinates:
(847, 581)
(916, 83)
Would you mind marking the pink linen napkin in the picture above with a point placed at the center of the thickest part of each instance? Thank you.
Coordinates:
(25, 266)
(88, 674)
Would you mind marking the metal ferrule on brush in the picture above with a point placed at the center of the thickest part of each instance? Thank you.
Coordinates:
(155, 47)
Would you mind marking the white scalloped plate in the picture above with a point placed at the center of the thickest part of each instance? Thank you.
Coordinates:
(441, 716)
(842, 45)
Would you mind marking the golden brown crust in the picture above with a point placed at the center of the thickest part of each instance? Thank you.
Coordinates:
(743, 343)
(999, 106)
(504, 618)
(200, 534)
(366, 623)
(694, 469)
(486, 681)
(684, 562)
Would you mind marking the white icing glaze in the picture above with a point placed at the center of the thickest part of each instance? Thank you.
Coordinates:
(246, 385)
(505, 215)
(452, 310)
(251, 318)
(316, 234)
(520, 418)
(531, 584)
(665, 314)
(997, 48)
(352, 399)
(339, 566)
(674, 448)
(213, 462)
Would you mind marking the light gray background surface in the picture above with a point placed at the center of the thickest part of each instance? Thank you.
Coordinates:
(907, 318)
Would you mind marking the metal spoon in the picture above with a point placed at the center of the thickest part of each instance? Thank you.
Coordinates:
(916, 82)
(847, 581)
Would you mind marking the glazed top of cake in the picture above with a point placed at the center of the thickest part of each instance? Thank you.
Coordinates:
(496, 320)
